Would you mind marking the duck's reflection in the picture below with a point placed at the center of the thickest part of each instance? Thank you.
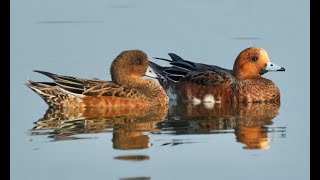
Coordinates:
(253, 137)
(249, 122)
(133, 157)
(127, 125)
(136, 178)
(130, 135)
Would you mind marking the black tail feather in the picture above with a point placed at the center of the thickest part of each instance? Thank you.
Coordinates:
(50, 75)
(175, 57)
(168, 60)
(157, 68)
(48, 83)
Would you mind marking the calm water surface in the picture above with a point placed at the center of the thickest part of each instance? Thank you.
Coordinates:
(81, 38)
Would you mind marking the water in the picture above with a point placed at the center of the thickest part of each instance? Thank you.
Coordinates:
(81, 38)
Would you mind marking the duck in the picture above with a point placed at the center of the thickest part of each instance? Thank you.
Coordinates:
(128, 87)
(198, 83)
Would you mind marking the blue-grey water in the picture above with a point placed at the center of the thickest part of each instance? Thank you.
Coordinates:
(81, 38)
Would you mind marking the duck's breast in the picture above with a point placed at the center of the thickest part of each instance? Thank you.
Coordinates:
(257, 90)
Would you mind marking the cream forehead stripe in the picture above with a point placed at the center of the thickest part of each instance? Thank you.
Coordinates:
(264, 53)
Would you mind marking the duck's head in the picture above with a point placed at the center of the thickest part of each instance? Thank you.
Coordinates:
(252, 63)
(129, 64)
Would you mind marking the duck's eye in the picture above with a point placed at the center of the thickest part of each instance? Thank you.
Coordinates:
(254, 58)
(138, 62)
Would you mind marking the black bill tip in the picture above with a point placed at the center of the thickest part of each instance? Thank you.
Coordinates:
(281, 69)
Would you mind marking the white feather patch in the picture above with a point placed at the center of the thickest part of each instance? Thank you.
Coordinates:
(196, 101)
(71, 93)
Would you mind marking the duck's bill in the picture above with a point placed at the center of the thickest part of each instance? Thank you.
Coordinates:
(150, 73)
(273, 67)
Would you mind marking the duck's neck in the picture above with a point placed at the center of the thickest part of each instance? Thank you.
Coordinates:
(245, 75)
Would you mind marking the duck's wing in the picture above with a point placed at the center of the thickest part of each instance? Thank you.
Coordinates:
(192, 66)
(209, 78)
(181, 68)
(69, 83)
(111, 89)
(89, 87)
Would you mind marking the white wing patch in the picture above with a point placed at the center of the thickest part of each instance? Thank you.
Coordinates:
(208, 101)
(196, 101)
(71, 93)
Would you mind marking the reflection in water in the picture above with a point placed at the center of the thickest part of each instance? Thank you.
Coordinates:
(247, 121)
(133, 157)
(135, 178)
(253, 137)
(129, 136)
(127, 125)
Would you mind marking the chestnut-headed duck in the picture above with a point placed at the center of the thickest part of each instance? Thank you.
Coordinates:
(202, 83)
(127, 88)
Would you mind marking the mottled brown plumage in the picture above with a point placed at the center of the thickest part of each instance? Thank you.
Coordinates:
(127, 88)
(127, 125)
(208, 83)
